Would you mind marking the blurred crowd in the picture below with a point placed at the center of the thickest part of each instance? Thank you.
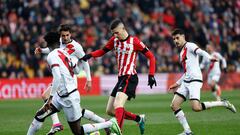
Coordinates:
(24, 22)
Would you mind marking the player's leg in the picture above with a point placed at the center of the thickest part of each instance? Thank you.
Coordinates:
(92, 116)
(216, 89)
(194, 93)
(119, 103)
(77, 129)
(73, 113)
(110, 107)
(179, 97)
(128, 115)
(40, 117)
(56, 126)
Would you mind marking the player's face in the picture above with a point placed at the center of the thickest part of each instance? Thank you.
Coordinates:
(179, 40)
(118, 32)
(66, 36)
(209, 48)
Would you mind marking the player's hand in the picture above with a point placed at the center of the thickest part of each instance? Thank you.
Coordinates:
(173, 87)
(37, 50)
(151, 81)
(225, 70)
(86, 57)
(88, 86)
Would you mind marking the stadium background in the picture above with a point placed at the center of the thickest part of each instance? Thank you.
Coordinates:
(25, 75)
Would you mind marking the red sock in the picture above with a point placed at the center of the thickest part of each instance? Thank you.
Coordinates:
(120, 114)
(130, 116)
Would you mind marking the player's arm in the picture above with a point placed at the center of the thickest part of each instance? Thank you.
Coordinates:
(56, 78)
(197, 51)
(224, 63)
(203, 63)
(176, 84)
(55, 72)
(39, 50)
(140, 46)
(98, 53)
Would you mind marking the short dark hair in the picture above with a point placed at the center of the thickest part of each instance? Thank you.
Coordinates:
(52, 38)
(65, 27)
(115, 23)
(178, 31)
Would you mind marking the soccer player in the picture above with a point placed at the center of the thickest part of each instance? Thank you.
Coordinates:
(64, 94)
(76, 52)
(126, 48)
(214, 71)
(189, 85)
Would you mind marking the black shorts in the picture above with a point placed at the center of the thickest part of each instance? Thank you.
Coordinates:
(126, 84)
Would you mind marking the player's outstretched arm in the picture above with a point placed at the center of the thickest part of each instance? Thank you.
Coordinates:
(151, 58)
(39, 50)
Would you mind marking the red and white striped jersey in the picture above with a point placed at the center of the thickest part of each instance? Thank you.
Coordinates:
(126, 53)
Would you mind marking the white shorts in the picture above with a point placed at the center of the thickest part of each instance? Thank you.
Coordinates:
(190, 90)
(214, 78)
(70, 105)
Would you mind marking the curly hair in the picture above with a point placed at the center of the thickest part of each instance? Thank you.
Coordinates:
(52, 38)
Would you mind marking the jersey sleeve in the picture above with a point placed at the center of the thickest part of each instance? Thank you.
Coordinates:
(138, 45)
(193, 48)
(45, 50)
(79, 53)
(223, 60)
(100, 52)
(55, 72)
(51, 61)
(110, 43)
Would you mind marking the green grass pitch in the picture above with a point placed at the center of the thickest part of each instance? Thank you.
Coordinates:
(16, 115)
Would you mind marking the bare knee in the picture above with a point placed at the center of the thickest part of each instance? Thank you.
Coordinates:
(44, 96)
(174, 107)
(110, 112)
(197, 108)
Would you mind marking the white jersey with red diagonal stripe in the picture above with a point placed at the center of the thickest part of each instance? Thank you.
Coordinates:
(190, 62)
(68, 82)
(214, 67)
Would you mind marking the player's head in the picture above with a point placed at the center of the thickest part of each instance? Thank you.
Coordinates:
(209, 48)
(118, 29)
(52, 39)
(65, 33)
(178, 36)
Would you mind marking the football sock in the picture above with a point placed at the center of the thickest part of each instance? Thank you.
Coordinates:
(131, 116)
(211, 104)
(217, 92)
(120, 114)
(182, 119)
(88, 128)
(55, 119)
(34, 127)
(92, 116)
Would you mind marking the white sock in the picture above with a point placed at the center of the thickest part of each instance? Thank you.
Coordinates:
(55, 118)
(213, 104)
(34, 127)
(182, 119)
(92, 116)
(214, 93)
(88, 128)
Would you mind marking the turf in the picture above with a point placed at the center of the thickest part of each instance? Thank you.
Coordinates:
(16, 115)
